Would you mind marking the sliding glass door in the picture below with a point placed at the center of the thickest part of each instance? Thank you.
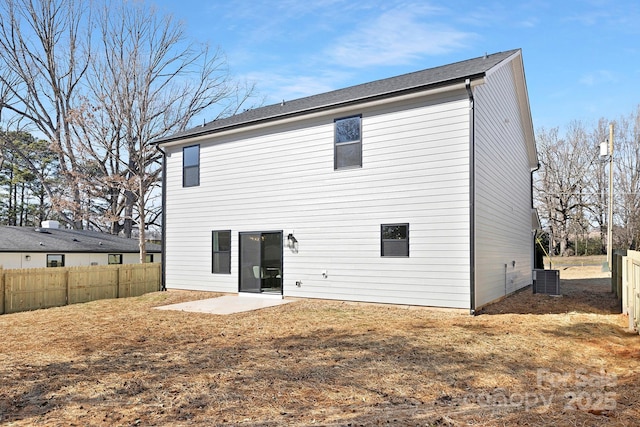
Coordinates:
(261, 262)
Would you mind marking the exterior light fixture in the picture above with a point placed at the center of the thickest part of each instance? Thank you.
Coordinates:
(291, 240)
(27, 257)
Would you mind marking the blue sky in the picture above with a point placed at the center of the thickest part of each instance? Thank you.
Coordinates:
(582, 58)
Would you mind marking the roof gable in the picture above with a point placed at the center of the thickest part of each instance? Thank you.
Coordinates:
(386, 88)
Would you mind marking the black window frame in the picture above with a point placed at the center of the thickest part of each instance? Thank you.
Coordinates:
(223, 268)
(188, 167)
(50, 261)
(118, 258)
(337, 145)
(396, 240)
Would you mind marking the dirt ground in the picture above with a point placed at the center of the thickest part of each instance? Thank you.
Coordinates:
(528, 360)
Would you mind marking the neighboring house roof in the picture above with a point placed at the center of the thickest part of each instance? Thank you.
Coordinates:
(29, 239)
(407, 83)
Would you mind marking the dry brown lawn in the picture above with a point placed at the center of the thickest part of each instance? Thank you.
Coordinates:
(527, 360)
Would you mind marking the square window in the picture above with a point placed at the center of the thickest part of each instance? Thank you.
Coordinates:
(55, 260)
(115, 259)
(221, 252)
(348, 142)
(394, 240)
(148, 258)
(191, 166)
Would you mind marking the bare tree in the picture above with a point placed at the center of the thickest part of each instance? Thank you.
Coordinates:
(562, 179)
(43, 64)
(101, 104)
(147, 82)
(627, 180)
(597, 185)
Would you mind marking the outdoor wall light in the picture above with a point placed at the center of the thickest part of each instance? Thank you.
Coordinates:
(27, 257)
(291, 240)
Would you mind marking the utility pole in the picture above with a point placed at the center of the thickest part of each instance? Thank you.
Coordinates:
(610, 212)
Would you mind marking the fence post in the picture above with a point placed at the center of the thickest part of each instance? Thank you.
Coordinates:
(68, 286)
(160, 276)
(119, 269)
(1, 290)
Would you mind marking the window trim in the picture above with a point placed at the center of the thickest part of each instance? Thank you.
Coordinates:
(382, 240)
(337, 144)
(187, 167)
(227, 269)
(117, 257)
(49, 262)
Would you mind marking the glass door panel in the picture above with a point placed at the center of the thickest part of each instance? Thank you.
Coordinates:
(271, 262)
(250, 266)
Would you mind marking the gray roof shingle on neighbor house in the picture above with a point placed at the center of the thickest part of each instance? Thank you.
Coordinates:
(379, 89)
(30, 239)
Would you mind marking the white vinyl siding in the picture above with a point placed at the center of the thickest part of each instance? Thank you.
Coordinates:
(503, 190)
(71, 259)
(415, 170)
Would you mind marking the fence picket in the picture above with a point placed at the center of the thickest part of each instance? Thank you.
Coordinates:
(1, 291)
(630, 279)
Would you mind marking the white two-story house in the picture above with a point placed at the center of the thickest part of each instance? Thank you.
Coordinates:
(414, 189)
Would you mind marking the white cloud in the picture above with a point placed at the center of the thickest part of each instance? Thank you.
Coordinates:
(598, 77)
(531, 22)
(276, 86)
(398, 36)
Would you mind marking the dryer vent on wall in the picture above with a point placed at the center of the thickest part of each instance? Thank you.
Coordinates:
(546, 282)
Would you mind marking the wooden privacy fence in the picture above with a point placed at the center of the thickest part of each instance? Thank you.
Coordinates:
(34, 288)
(630, 277)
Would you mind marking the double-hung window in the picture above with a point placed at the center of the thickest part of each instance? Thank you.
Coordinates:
(221, 251)
(191, 166)
(394, 240)
(348, 142)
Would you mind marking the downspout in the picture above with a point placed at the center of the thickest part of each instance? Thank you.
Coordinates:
(472, 198)
(535, 232)
(163, 257)
(532, 172)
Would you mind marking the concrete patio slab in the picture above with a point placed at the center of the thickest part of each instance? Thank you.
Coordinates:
(228, 304)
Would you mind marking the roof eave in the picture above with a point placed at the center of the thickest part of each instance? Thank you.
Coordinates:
(437, 86)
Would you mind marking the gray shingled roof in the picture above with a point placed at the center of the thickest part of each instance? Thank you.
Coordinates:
(29, 239)
(394, 86)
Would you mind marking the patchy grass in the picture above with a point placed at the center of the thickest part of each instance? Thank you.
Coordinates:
(575, 261)
(528, 360)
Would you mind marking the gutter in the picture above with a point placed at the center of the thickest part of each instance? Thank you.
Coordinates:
(163, 256)
(472, 199)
